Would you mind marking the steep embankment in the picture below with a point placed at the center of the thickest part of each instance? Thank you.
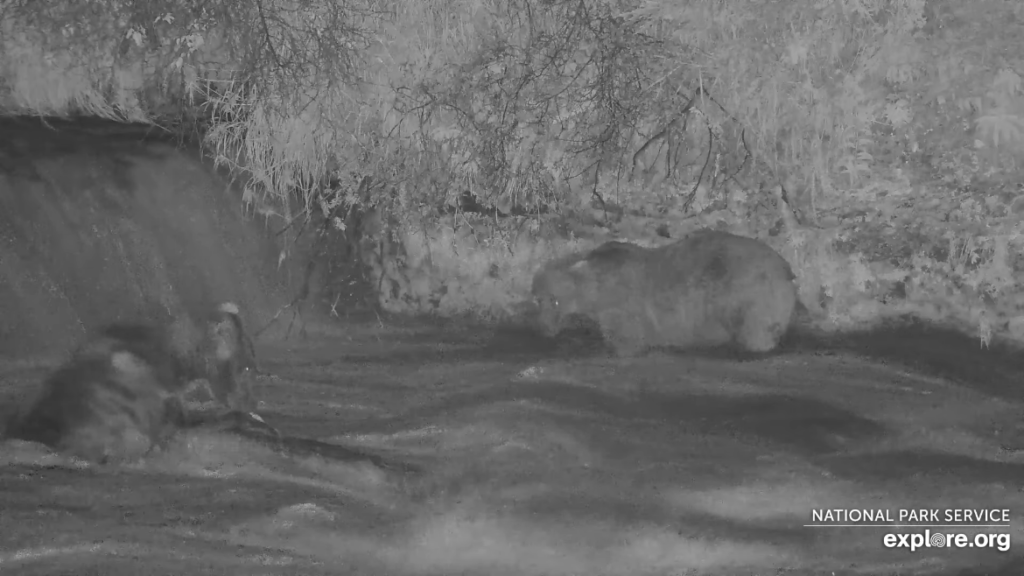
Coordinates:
(102, 221)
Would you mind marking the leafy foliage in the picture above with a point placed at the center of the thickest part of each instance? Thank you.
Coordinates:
(895, 122)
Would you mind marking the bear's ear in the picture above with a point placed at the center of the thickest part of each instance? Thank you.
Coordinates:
(581, 266)
(582, 271)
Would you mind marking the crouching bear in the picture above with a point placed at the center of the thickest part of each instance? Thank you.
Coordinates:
(710, 288)
(121, 393)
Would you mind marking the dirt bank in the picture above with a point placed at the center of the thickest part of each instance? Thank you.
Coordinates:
(102, 221)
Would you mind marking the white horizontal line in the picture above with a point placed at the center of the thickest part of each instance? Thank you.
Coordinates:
(906, 525)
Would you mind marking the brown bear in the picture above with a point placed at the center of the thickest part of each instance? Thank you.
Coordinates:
(222, 354)
(121, 392)
(102, 407)
(709, 288)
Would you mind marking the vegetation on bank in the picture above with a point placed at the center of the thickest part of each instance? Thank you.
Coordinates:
(875, 143)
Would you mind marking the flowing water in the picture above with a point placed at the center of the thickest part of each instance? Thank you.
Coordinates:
(478, 452)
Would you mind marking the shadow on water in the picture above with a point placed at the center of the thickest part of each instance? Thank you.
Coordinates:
(917, 464)
(929, 349)
(801, 425)
(911, 343)
(778, 531)
(262, 433)
(484, 344)
(907, 342)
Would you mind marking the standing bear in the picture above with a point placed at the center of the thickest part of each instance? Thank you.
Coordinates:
(709, 288)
